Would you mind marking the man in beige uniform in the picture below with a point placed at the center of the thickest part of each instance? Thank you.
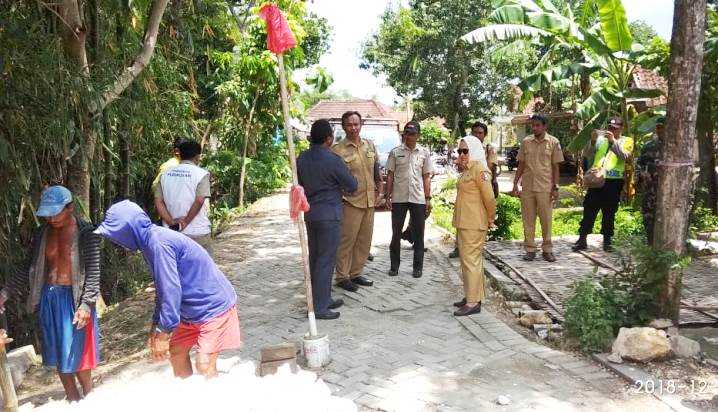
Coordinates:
(361, 158)
(539, 157)
(408, 189)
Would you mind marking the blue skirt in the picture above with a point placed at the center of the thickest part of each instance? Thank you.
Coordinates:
(64, 346)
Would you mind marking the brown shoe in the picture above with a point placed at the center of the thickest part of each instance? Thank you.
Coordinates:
(529, 256)
(548, 256)
(467, 310)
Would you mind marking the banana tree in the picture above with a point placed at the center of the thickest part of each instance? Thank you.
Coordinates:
(597, 32)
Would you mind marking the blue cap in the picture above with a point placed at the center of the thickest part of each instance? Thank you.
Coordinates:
(53, 200)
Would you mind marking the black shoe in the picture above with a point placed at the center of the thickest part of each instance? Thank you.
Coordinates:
(417, 273)
(529, 256)
(468, 310)
(336, 304)
(460, 303)
(362, 281)
(454, 254)
(393, 272)
(370, 258)
(328, 315)
(607, 244)
(348, 285)
(580, 244)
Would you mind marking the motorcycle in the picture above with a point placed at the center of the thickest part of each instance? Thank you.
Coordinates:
(512, 161)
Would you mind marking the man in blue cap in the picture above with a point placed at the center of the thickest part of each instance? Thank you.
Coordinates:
(61, 279)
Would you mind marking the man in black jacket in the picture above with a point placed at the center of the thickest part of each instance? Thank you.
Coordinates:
(325, 177)
(61, 279)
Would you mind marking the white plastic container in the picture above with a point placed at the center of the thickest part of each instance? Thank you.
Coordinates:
(316, 351)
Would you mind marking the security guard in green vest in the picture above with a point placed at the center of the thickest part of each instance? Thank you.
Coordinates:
(612, 151)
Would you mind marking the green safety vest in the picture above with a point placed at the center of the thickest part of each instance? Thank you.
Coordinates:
(615, 166)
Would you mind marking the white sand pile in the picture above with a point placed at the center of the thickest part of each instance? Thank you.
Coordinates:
(237, 389)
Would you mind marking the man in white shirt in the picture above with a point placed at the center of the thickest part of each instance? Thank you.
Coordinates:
(182, 196)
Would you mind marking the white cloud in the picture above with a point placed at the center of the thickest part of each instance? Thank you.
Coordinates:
(352, 23)
(657, 13)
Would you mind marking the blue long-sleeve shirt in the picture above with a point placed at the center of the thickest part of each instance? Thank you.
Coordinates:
(324, 177)
(189, 287)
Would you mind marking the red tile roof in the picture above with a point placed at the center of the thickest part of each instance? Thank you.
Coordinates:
(369, 109)
(644, 79)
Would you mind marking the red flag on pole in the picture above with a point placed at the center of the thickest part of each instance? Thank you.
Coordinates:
(279, 36)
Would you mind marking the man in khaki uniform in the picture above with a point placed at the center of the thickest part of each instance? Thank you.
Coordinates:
(539, 157)
(408, 189)
(361, 158)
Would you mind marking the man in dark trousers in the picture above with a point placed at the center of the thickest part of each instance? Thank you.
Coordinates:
(325, 177)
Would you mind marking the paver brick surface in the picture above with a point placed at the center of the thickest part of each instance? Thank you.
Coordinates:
(397, 346)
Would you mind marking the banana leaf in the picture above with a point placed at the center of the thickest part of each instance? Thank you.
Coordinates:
(537, 81)
(496, 32)
(582, 138)
(595, 103)
(510, 14)
(614, 25)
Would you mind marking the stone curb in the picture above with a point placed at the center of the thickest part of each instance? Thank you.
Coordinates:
(633, 375)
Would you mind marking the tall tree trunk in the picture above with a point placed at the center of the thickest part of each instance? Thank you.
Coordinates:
(108, 169)
(706, 149)
(676, 160)
(123, 184)
(74, 36)
(250, 118)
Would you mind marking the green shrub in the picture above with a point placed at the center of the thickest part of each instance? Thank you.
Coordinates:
(703, 220)
(597, 309)
(590, 316)
(508, 212)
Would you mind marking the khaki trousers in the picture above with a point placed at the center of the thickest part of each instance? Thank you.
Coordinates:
(357, 229)
(471, 247)
(536, 204)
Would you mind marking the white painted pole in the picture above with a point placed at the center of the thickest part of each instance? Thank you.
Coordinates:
(300, 220)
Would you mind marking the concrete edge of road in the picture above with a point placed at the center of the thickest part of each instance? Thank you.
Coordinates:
(637, 376)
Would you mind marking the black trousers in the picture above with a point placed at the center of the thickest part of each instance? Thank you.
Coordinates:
(323, 237)
(417, 218)
(604, 199)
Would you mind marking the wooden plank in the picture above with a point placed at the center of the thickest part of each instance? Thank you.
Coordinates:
(278, 352)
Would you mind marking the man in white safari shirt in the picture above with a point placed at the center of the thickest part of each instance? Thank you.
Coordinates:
(182, 196)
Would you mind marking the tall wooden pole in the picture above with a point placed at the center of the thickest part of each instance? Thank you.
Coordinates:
(295, 181)
(676, 159)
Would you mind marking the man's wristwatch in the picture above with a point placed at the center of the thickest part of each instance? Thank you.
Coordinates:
(555, 187)
(427, 197)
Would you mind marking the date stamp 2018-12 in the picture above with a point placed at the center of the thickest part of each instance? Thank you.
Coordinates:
(670, 386)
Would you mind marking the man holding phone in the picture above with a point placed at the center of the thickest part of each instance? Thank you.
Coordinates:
(612, 150)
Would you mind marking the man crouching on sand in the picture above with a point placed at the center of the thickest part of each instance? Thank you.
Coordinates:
(195, 304)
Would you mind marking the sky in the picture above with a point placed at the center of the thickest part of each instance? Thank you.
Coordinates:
(352, 24)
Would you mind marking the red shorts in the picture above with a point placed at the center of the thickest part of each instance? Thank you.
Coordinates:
(215, 335)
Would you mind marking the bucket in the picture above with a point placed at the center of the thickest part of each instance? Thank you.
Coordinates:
(316, 351)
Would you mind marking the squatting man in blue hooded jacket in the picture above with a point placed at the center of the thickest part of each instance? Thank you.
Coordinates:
(195, 303)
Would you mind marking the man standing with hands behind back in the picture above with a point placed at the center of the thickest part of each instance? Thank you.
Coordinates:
(408, 189)
(324, 176)
(539, 157)
(361, 158)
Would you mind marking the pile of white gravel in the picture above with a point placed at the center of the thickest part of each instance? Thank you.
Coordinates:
(237, 388)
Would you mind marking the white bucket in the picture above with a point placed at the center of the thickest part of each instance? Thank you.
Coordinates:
(316, 351)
